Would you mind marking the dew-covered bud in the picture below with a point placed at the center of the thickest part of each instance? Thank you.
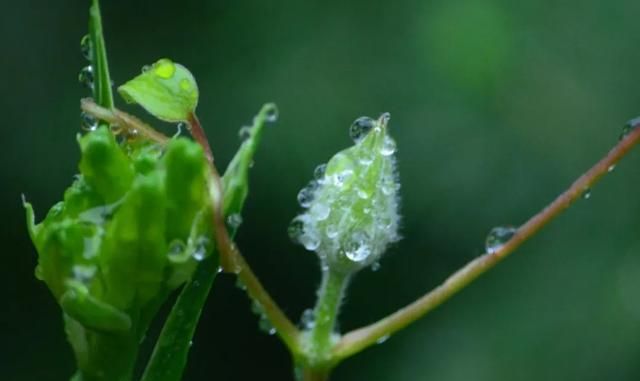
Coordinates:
(351, 206)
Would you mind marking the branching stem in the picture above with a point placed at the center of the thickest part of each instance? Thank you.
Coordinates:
(359, 339)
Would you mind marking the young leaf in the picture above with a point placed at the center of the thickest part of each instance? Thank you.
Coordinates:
(167, 90)
(169, 357)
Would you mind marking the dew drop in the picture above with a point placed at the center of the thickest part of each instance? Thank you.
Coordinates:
(272, 114)
(234, 220)
(145, 68)
(497, 237)
(318, 173)
(332, 231)
(611, 168)
(164, 68)
(340, 178)
(296, 229)
(306, 194)
(244, 133)
(88, 122)
(309, 241)
(360, 128)
(86, 47)
(176, 249)
(200, 250)
(383, 339)
(362, 194)
(366, 160)
(307, 320)
(358, 249)
(586, 193)
(388, 147)
(630, 126)
(84, 273)
(86, 77)
(240, 285)
(375, 266)
(320, 211)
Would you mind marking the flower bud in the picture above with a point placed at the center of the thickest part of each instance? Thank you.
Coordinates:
(352, 204)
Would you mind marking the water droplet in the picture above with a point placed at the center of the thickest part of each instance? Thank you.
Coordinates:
(375, 266)
(190, 343)
(497, 237)
(318, 173)
(332, 231)
(384, 119)
(234, 221)
(383, 339)
(611, 168)
(309, 241)
(84, 273)
(272, 114)
(88, 122)
(164, 68)
(176, 249)
(145, 68)
(307, 320)
(244, 133)
(340, 178)
(358, 249)
(86, 47)
(360, 128)
(86, 77)
(362, 194)
(200, 249)
(320, 211)
(629, 126)
(296, 229)
(240, 285)
(388, 147)
(586, 193)
(366, 160)
(306, 194)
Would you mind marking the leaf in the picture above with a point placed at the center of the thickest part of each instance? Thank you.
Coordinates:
(167, 90)
(98, 57)
(170, 354)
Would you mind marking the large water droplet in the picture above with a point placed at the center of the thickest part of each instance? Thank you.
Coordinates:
(234, 220)
(388, 147)
(497, 237)
(86, 77)
(358, 249)
(86, 47)
(164, 68)
(88, 122)
(360, 128)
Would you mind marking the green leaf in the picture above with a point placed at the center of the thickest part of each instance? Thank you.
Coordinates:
(170, 354)
(167, 90)
(98, 57)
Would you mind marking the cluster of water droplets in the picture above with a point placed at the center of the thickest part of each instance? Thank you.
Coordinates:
(86, 77)
(351, 204)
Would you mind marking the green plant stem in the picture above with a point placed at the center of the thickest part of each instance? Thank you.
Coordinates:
(231, 260)
(102, 82)
(359, 339)
(325, 314)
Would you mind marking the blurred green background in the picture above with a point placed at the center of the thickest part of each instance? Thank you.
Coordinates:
(496, 106)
